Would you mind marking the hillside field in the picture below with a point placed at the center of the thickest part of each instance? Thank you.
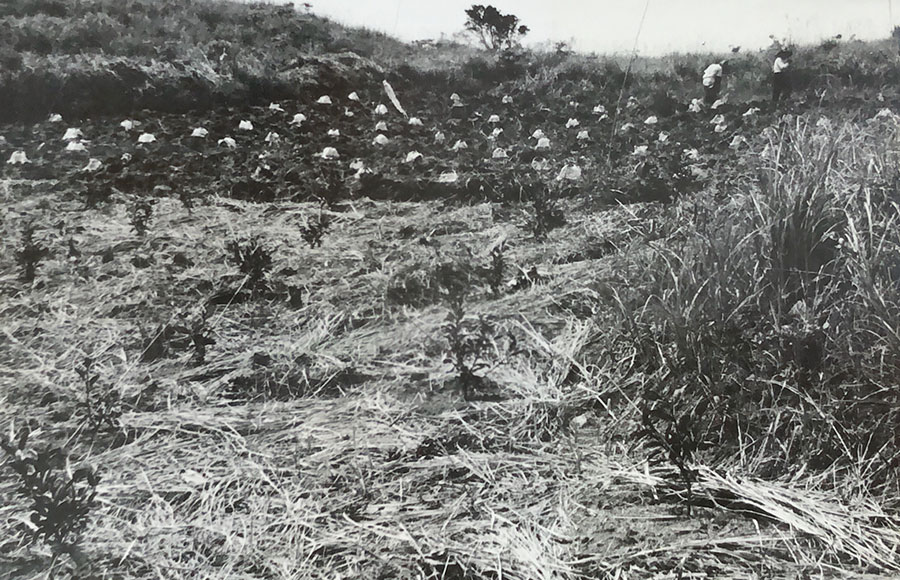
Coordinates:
(556, 319)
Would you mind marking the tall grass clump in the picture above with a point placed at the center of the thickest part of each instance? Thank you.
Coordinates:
(783, 324)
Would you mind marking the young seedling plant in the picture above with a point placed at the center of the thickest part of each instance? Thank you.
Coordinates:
(252, 258)
(315, 229)
(494, 272)
(140, 214)
(676, 437)
(61, 500)
(545, 214)
(30, 253)
(468, 341)
(100, 405)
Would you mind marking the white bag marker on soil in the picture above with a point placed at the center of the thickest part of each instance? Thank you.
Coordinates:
(92, 166)
(228, 142)
(72, 133)
(75, 147)
(199, 132)
(18, 158)
(737, 142)
(146, 138)
(412, 157)
(329, 153)
(569, 173)
(245, 125)
(324, 100)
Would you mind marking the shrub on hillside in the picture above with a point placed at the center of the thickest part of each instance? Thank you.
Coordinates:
(93, 31)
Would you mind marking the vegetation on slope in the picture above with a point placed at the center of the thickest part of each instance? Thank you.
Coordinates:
(112, 57)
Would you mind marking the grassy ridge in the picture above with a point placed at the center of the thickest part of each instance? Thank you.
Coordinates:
(101, 56)
(90, 57)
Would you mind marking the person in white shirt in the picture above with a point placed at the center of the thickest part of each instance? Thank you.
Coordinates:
(781, 84)
(712, 82)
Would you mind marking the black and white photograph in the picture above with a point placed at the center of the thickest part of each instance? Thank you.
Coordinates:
(421, 290)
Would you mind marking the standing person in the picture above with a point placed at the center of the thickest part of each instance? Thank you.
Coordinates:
(781, 82)
(712, 82)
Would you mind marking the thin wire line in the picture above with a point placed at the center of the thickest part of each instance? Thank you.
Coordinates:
(625, 82)
(397, 16)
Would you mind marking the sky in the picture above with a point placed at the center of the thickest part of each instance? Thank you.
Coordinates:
(606, 26)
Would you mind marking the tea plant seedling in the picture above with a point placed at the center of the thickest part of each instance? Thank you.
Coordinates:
(96, 194)
(673, 436)
(315, 229)
(330, 187)
(545, 214)
(61, 499)
(186, 198)
(468, 341)
(200, 339)
(252, 258)
(494, 272)
(30, 253)
(140, 214)
(468, 346)
(100, 405)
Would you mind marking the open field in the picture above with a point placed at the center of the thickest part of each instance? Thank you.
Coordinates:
(646, 342)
